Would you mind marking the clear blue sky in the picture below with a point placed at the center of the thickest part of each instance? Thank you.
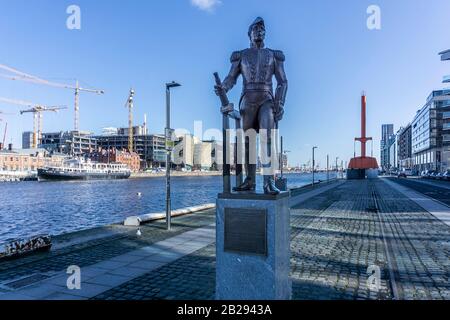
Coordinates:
(331, 58)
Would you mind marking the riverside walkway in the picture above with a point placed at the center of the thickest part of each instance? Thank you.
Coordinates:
(339, 231)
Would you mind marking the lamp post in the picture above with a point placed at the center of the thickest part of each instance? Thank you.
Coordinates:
(328, 166)
(283, 154)
(285, 157)
(168, 134)
(313, 164)
(342, 169)
(337, 168)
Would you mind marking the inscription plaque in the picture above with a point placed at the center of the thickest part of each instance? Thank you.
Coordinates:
(246, 231)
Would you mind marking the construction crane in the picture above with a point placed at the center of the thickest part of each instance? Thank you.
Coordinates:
(22, 76)
(2, 145)
(37, 111)
(37, 121)
(130, 104)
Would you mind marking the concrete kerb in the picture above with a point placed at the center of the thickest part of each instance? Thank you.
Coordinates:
(136, 221)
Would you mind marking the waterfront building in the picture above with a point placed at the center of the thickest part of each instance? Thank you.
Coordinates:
(404, 147)
(183, 151)
(132, 160)
(156, 156)
(137, 131)
(431, 133)
(27, 139)
(26, 160)
(74, 143)
(208, 155)
(149, 147)
(284, 161)
(387, 130)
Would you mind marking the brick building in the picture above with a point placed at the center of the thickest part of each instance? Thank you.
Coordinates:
(132, 160)
(27, 159)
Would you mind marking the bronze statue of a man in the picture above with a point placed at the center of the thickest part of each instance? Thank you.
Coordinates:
(260, 109)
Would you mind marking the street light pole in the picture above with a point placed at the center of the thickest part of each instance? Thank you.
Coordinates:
(168, 134)
(328, 166)
(337, 168)
(281, 156)
(313, 165)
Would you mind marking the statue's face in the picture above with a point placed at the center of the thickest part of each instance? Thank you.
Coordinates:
(258, 33)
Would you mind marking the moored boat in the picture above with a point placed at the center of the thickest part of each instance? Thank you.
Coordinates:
(80, 169)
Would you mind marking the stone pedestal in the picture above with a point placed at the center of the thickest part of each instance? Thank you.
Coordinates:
(253, 247)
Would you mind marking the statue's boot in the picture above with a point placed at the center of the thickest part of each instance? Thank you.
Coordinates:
(249, 182)
(248, 185)
(270, 187)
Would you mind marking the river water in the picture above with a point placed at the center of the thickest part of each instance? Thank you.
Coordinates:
(31, 208)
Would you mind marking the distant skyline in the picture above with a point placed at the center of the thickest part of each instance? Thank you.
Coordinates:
(331, 57)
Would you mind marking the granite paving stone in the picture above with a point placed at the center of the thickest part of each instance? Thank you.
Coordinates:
(335, 237)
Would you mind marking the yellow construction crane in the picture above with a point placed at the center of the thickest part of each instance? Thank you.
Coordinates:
(22, 76)
(130, 104)
(37, 111)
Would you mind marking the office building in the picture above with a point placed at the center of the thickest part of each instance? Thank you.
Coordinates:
(387, 130)
(183, 151)
(404, 147)
(74, 143)
(27, 139)
(150, 148)
(431, 133)
(208, 155)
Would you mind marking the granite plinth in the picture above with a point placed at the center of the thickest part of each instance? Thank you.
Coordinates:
(253, 247)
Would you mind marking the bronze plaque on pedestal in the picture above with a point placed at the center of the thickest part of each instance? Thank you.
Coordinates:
(246, 231)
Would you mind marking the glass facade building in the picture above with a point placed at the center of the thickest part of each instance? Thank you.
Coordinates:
(404, 147)
(431, 133)
(387, 130)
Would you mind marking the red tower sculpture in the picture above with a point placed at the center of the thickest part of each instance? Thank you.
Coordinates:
(363, 162)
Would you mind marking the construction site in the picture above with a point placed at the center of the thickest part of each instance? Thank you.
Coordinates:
(37, 143)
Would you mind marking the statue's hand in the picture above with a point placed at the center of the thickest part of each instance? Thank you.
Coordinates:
(220, 90)
(279, 112)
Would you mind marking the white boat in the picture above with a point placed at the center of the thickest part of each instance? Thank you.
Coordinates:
(81, 169)
(14, 176)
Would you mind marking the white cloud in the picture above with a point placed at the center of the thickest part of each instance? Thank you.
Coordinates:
(206, 5)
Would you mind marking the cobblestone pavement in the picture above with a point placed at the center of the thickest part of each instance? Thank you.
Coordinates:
(91, 252)
(420, 245)
(335, 238)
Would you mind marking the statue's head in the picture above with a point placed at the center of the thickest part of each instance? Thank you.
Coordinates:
(257, 31)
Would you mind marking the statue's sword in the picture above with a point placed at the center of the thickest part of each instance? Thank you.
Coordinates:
(227, 111)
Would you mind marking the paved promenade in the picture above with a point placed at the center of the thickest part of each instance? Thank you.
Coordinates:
(338, 232)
